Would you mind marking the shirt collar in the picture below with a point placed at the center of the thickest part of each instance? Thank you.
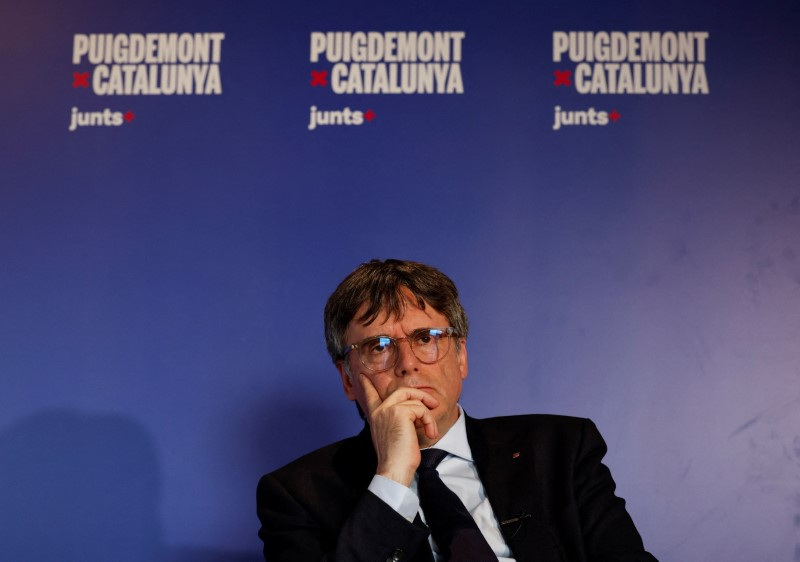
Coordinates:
(455, 440)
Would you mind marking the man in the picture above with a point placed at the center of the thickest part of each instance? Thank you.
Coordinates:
(527, 487)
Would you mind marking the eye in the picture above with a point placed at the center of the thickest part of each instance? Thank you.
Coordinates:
(378, 345)
(426, 336)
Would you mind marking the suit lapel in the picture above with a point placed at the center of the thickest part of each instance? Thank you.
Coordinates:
(505, 463)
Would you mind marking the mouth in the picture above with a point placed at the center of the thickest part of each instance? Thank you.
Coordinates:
(425, 388)
(418, 387)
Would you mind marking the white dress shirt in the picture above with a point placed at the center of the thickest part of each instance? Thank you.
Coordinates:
(458, 472)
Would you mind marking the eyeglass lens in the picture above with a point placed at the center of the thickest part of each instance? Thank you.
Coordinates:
(381, 352)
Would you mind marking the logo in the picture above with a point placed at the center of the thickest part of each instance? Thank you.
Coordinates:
(135, 64)
(590, 116)
(105, 118)
(382, 63)
(633, 62)
(626, 63)
(143, 64)
(338, 117)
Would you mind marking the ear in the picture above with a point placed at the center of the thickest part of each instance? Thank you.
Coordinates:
(347, 380)
(462, 358)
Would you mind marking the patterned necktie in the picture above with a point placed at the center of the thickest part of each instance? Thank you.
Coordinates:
(451, 525)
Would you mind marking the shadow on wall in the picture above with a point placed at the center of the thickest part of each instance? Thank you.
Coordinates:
(83, 487)
(292, 420)
(205, 555)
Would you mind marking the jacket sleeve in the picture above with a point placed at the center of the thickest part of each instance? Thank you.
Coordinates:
(295, 528)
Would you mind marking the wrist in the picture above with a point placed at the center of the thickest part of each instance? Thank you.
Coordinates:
(401, 475)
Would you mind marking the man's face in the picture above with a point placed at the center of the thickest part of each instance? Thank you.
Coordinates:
(442, 379)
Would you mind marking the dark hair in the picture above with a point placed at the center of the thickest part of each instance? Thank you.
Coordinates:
(378, 284)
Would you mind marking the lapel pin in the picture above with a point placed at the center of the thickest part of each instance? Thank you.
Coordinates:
(515, 455)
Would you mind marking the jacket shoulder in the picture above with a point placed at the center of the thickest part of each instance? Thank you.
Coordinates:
(542, 432)
(346, 463)
(533, 422)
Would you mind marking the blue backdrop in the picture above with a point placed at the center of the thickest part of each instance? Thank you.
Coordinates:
(164, 264)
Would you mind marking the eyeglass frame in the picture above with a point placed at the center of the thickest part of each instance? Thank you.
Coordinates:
(448, 332)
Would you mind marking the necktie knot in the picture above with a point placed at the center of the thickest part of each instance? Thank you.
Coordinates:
(431, 458)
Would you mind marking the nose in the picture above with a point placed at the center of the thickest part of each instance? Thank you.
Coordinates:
(407, 362)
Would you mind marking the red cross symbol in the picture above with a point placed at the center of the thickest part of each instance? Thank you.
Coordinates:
(369, 115)
(319, 77)
(80, 79)
(614, 115)
(562, 78)
(129, 116)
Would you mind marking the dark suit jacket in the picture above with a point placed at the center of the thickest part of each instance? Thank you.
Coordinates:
(542, 474)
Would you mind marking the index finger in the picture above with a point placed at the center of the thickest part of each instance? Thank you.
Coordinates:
(409, 393)
(370, 393)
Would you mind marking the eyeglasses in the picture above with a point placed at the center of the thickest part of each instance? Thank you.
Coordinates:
(380, 353)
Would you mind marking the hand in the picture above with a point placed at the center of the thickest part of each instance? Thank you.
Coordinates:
(394, 423)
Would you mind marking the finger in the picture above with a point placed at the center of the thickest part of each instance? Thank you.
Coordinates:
(428, 421)
(407, 393)
(432, 430)
(370, 393)
(422, 417)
